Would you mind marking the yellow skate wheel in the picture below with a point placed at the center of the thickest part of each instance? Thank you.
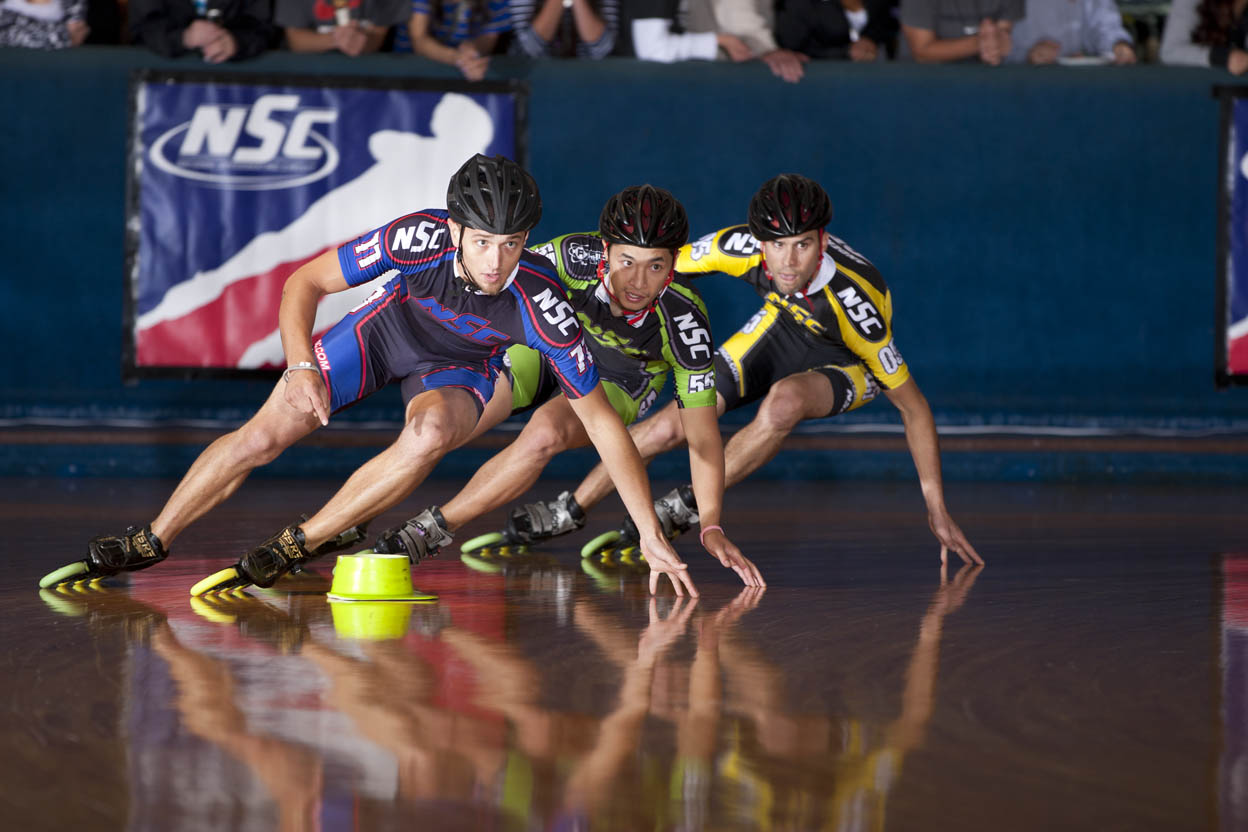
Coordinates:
(217, 581)
(480, 564)
(205, 609)
(54, 599)
(604, 581)
(599, 543)
(63, 574)
(481, 541)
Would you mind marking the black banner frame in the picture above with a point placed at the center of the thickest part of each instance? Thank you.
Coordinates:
(1226, 95)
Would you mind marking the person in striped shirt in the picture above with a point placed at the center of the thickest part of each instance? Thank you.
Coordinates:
(462, 33)
(563, 29)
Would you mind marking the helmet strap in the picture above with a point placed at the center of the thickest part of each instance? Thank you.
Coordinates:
(459, 255)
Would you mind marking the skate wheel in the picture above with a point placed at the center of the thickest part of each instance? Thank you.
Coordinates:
(482, 565)
(481, 541)
(206, 610)
(598, 543)
(602, 579)
(63, 574)
(59, 602)
(216, 581)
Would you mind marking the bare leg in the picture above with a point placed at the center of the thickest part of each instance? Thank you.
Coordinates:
(800, 396)
(660, 433)
(221, 468)
(437, 422)
(513, 470)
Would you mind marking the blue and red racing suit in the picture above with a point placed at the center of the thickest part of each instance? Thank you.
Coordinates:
(428, 328)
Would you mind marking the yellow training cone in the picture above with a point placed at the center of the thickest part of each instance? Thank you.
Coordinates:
(368, 576)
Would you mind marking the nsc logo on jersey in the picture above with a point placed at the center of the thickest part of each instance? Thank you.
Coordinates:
(238, 180)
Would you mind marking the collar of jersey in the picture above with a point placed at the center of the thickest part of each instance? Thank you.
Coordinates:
(827, 269)
(477, 291)
(634, 321)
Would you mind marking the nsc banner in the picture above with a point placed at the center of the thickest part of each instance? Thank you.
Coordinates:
(234, 181)
(1231, 326)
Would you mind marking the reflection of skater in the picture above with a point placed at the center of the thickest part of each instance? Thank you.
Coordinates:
(588, 754)
(861, 764)
(591, 783)
(206, 701)
(466, 289)
(441, 753)
(206, 697)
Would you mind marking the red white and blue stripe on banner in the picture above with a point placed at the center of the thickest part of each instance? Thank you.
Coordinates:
(1236, 286)
(236, 182)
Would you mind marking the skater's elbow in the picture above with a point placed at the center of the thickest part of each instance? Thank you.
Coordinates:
(318, 277)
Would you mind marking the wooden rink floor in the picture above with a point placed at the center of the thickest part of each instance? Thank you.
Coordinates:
(1094, 675)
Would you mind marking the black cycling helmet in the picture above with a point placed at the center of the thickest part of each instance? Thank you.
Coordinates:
(644, 216)
(787, 205)
(494, 195)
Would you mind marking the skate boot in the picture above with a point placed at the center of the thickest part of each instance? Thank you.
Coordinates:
(107, 555)
(533, 523)
(419, 538)
(261, 566)
(300, 572)
(677, 512)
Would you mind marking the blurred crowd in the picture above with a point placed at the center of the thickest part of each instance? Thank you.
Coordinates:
(784, 34)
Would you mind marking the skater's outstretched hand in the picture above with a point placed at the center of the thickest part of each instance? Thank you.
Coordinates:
(951, 537)
(727, 553)
(663, 560)
(306, 393)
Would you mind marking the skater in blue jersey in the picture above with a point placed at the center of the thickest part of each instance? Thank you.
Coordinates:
(466, 289)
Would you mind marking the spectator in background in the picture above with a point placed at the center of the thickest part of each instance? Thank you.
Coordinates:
(352, 27)
(1207, 33)
(1053, 29)
(219, 30)
(43, 24)
(462, 33)
(944, 31)
(104, 21)
(753, 21)
(549, 28)
(860, 30)
(650, 30)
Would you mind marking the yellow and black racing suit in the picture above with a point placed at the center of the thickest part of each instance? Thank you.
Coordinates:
(840, 325)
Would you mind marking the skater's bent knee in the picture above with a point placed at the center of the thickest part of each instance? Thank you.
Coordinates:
(782, 409)
(542, 441)
(659, 435)
(431, 434)
(258, 444)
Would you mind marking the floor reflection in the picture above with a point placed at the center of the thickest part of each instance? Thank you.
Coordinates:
(1234, 638)
(274, 710)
